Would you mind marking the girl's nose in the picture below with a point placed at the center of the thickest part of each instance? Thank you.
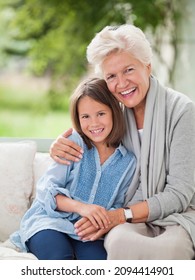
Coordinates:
(94, 121)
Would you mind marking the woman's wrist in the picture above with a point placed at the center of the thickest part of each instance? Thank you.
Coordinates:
(117, 216)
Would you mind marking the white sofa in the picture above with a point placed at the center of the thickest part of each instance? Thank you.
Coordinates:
(22, 162)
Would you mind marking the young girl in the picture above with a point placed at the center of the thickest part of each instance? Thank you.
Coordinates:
(81, 189)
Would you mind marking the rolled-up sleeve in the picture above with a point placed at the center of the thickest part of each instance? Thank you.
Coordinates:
(58, 180)
(52, 183)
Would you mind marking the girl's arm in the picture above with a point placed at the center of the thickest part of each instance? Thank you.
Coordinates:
(96, 214)
(54, 182)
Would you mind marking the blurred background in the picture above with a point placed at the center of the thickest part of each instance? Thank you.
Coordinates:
(42, 54)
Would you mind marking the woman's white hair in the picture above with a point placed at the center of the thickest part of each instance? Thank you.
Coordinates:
(111, 39)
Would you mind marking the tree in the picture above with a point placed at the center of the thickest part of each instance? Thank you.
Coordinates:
(55, 33)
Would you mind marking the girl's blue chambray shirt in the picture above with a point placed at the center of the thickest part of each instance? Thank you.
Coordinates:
(87, 181)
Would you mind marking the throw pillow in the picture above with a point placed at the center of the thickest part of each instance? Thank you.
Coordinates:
(16, 182)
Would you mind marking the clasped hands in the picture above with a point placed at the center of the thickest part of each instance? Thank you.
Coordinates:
(87, 231)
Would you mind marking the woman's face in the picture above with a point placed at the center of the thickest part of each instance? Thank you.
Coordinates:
(127, 78)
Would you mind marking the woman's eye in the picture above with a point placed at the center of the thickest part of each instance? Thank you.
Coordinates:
(129, 70)
(109, 78)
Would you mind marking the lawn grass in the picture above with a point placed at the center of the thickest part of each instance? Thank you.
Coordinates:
(30, 124)
(24, 112)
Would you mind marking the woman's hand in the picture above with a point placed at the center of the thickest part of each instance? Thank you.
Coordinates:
(63, 150)
(96, 214)
(86, 230)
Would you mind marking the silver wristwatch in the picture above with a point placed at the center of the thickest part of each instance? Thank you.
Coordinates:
(128, 214)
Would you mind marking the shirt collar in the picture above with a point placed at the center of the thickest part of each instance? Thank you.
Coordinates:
(122, 149)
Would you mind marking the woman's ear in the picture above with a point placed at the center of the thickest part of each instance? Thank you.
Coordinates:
(149, 67)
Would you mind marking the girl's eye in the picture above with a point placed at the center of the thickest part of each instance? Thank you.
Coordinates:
(84, 117)
(101, 114)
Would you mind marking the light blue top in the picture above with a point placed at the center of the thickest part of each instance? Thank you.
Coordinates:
(87, 181)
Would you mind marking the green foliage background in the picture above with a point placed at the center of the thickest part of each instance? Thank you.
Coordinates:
(51, 36)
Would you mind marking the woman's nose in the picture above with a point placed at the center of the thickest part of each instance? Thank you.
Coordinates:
(122, 81)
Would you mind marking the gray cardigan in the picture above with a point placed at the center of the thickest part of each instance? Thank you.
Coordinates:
(165, 174)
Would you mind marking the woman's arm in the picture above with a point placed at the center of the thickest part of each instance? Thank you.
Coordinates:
(140, 212)
(63, 150)
(86, 231)
(179, 183)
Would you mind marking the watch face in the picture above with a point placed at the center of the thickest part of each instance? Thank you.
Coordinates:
(128, 214)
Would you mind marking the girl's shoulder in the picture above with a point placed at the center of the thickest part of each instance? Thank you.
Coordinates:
(125, 152)
(76, 138)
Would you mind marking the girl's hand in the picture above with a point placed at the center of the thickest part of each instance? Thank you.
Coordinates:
(63, 150)
(96, 214)
(86, 231)
(89, 232)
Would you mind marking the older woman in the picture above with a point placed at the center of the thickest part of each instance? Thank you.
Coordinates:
(158, 221)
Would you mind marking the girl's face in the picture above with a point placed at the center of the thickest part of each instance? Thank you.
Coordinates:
(127, 78)
(95, 119)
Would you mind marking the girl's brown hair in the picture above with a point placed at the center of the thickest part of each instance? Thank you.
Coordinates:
(97, 89)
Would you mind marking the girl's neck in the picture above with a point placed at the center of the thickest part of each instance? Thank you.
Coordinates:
(104, 152)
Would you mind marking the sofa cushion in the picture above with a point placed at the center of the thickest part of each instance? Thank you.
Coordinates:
(16, 183)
